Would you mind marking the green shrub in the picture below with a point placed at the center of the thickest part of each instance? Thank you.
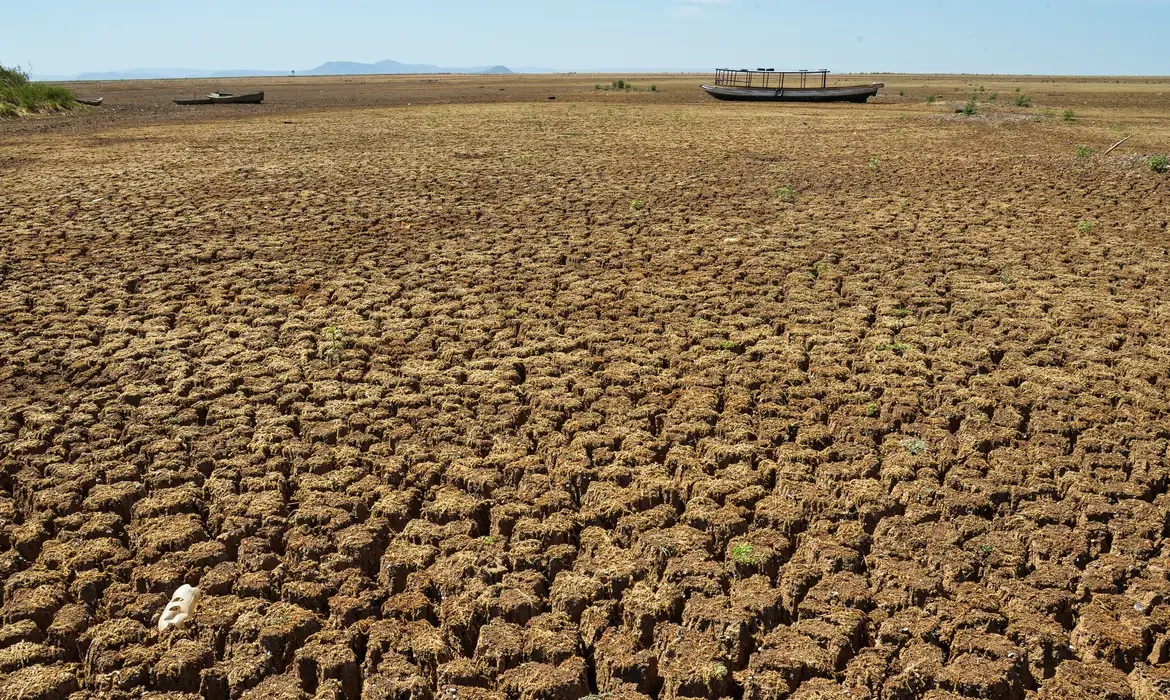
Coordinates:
(17, 94)
(1084, 226)
(992, 96)
(1023, 100)
(785, 194)
(653, 88)
(13, 76)
(1069, 115)
(969, 109)
(1158, 164)
(930, 99)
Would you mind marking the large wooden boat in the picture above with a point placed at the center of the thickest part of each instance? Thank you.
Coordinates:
(769, 85)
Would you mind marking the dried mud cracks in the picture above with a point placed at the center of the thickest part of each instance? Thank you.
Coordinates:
(428, 410)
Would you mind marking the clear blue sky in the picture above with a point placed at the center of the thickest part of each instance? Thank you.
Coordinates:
(969, 36)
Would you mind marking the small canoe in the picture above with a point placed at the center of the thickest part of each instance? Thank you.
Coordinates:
(251, 98)
(91, 101)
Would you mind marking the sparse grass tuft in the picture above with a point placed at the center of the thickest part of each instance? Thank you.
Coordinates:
(332, 344)
(1158, 164)
(914, 446)
(1084, 151)
(930, 99)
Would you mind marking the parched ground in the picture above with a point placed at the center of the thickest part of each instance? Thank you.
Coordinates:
(628, 396)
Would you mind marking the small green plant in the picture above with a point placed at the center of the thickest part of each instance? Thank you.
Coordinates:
(785, 194)
(637, 205)
(1084, 151)
(489, 539)
(899, 312)
(1023, 100)
(914, 446)
(817, 270)
(970, 108)
(992, 97)
(1068, 115)
(1158, 164)
(901, 93)
(985, 549)
(930, 99)
(596, 86)
(871, 409)
(332, 344)
(874, 163)
(895, 347)
(743, 553)
(1084, 226)
(726, 345)
(653, 87)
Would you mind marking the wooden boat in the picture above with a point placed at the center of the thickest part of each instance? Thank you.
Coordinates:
(221, 98)
(251, 98)
(91, 101)
(769, 85)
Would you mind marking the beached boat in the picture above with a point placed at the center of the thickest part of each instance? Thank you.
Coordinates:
(251, 98)
(91, 101)
(769, 85)
(221, 98)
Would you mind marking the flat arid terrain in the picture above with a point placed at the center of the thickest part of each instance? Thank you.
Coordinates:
(440, 389)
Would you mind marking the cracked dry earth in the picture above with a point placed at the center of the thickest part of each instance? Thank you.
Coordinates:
(546, 401)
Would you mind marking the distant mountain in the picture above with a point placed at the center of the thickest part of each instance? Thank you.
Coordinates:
(386, 67)
(389, 67)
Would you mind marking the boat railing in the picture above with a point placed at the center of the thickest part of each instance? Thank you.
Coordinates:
(771, 78)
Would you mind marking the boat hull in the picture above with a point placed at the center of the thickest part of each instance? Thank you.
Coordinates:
(850, 93)
(215, 98)
(253, 98)
(91, 101)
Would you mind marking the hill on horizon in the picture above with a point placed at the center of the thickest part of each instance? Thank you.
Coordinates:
(385, 67)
